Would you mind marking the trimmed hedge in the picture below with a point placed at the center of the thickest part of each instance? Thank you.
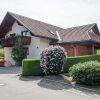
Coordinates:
(87, 73)
(31, 67)
(79, 59)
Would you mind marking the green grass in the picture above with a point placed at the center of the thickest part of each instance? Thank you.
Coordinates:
(1, 53)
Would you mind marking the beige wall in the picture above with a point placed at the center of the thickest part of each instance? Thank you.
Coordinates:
(16, 29)
(37, 44)
(8, 59)
(7, 50)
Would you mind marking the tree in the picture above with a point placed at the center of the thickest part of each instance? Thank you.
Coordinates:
(19, 52)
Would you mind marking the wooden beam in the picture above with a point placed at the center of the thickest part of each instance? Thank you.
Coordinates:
(75, 51)
(96, 45)
(93, 49)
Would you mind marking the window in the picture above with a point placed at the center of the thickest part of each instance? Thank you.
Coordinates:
(25, 33)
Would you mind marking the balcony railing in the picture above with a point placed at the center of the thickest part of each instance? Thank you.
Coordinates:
(10, 41)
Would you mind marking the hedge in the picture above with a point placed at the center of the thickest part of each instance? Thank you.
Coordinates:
(31, 67)
(87, 73)
(74, 60)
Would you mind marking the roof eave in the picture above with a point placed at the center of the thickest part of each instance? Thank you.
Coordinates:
(9, 14)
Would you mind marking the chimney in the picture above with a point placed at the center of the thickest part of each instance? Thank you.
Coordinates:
(59, 38)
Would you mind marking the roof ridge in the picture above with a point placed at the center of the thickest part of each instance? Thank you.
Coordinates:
(20, 22)
(80, 26)
(33, 19)
(42, 25)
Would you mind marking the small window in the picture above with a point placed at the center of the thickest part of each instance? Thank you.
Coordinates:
(25, 33)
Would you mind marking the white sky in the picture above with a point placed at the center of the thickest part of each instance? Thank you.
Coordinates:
(63, 13)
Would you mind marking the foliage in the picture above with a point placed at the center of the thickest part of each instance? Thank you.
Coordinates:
(74, 60)
(86, 73)
(52, 60)
(29, 64)
(1, 53)
(31, 67)
(19, 52)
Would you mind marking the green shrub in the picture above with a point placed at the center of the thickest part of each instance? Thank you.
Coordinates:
(1, 53)
(31, 67)
(19, 52)
(74, 60)
(69, 63)
(86, 73)
(52, 60)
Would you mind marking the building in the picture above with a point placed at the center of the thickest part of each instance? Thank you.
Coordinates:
(37, 35)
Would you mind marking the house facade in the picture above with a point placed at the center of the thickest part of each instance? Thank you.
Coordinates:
(81, 40)
(35, 45)
(36, 35)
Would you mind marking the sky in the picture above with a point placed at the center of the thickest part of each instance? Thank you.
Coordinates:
(62, 13)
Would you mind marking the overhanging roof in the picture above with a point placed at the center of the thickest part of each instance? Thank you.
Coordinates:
(41, 29)
(37, 28)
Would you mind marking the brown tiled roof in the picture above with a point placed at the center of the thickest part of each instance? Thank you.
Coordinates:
(79, 34)
(38, 28)
(94, 37)
(41, 29)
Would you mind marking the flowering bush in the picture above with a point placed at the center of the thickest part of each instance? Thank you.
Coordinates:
(52, 60)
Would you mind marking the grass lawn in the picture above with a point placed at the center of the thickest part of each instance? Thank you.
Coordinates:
(1, 53)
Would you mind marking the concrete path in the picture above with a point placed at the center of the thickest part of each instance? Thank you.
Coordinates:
(36, 88)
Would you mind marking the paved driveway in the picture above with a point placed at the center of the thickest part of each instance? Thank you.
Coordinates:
(35, 88)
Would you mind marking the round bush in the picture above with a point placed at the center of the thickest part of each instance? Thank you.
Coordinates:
(52, 60)
(86, 73)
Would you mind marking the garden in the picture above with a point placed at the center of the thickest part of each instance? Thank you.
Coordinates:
(54, 61)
